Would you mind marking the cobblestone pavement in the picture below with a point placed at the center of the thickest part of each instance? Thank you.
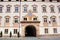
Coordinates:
(30, 38)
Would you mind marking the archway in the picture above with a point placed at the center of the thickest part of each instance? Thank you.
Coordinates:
(30, 31)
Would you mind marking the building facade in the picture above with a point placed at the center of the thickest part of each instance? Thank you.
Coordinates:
(29, 18)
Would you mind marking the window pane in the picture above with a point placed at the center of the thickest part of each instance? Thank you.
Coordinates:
(6, 31)
(44, 9)
(15, 31)
(25, 18)
(46, 30)
(45, 19)
(53, 20)
(8, 9)
(16, 9)
(16, 20)
(34, 9)
(59, 9)
(7, 20)
(0, 9)
(52, 9)
(34, 18)
(25, 9)
(55, 30)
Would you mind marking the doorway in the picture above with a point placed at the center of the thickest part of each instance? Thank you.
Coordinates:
(30, 31)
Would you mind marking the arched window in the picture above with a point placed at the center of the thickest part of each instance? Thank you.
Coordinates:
(34, 8)
(16, 7)
(58, 8)
(25, 8)
(52, 8)
(45, 18)
(8, 8)
(1, 6)
(15, 19)
(43, 8)
(7, 18)
(53, 19)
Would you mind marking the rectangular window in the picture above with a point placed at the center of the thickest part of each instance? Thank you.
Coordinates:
(16, 20)
(0, 9)
(1, 0)
(43, 0)
(8, 9)
(25, 0)
(34, 9)
(6, 31)
(9, 0)
(0, 20)
(55, 30)
(44, 9)
(15, 31)
(16, 9)
(54, 0)
(25, 9)
(34, 18)
(34, 0)
(7, 20)
(52, 9)
(25, 18)
(17, 0)
(50, 0)
(46, 30)
(45, 19)
(58, 0)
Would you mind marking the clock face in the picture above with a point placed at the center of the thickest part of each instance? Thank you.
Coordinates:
(30, 14)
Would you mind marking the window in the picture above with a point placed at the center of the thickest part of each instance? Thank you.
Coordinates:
(58, 0)
(7, 20)
(0, 9)
(25, 9)
(25, 0)
(1, 0)
(43, 0)
(54, 0)
(46, 30)
(6, 31)
(16, 9)
(44, 9)
(34, 9)
(25, 18)
(53, 20)
(45, 19)
(8, 9)
(34, 18)
(50, 0)
(0, 20)
(34, 0)
(55, 30)
(9, 0)
(16, 20)
(17, 0)
(59, 9)
(15, 31)
(52, 9)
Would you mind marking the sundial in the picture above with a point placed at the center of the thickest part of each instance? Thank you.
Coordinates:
(29, 13)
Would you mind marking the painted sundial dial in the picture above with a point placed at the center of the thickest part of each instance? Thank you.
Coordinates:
(30, 14)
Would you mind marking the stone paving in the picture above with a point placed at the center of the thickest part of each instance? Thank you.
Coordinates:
(30, 38)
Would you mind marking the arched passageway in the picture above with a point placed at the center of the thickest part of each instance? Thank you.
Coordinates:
(30, 31)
